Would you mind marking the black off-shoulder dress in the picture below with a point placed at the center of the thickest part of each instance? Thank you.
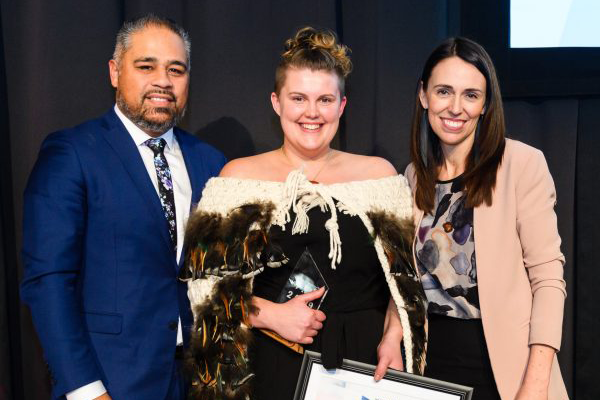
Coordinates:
(355, 304)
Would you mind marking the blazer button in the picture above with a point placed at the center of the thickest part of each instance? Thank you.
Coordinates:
(173, 325)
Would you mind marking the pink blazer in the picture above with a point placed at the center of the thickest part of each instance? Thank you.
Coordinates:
(519, 267)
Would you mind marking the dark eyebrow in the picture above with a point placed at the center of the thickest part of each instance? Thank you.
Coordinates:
(443, 86)
(155, 60)
(146, 59)
(302, 94)
(177, 62)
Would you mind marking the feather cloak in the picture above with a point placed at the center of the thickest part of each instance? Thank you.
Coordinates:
(228, 243)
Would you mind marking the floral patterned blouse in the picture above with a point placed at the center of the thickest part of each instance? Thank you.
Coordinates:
(445, 249)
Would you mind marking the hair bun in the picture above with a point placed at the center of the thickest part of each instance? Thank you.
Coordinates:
(310, 45)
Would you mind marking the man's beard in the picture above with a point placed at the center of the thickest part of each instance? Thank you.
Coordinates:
(140, 115)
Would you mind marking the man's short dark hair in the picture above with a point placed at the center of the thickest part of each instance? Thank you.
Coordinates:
(135, 25)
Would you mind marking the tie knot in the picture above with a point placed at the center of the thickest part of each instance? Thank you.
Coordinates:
(157, 145)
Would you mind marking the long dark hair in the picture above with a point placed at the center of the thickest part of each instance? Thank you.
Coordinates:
(485, 156)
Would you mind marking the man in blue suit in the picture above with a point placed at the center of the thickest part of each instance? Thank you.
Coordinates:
(105, 212)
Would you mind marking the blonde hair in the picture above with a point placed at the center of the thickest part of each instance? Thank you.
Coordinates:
(317, 50)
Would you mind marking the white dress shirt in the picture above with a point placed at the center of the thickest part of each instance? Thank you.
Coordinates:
(182, 192)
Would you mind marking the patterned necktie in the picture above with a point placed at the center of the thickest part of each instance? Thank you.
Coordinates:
(165, 185)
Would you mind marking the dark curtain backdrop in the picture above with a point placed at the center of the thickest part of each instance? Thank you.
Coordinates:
(54, 74)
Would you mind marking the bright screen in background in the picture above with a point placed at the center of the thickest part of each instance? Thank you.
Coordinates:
(554, 23)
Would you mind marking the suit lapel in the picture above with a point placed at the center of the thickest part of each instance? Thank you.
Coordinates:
(121, 142)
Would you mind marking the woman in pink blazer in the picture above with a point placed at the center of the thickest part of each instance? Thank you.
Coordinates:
(487, 244)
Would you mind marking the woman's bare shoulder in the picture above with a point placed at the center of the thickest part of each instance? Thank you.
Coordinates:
(252, 167)
(368, 167)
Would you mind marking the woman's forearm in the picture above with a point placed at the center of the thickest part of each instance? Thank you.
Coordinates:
(263, 310)
(392, 322)
(537, 375)
(389, 351)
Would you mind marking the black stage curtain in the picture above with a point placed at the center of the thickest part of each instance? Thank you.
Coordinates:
(11, 382)
(586, 277)
(56, 54)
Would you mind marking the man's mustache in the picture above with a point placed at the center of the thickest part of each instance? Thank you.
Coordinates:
(171, 95)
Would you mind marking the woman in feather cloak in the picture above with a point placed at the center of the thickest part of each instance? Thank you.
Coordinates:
(277, 225)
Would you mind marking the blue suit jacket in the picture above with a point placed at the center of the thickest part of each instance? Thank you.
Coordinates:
(100, 269)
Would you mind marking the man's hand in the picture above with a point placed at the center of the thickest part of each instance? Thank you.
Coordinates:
(105, 396)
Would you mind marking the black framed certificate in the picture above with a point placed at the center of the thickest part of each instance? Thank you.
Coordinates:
(354, 381)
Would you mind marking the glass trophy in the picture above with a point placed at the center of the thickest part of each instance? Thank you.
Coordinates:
(305, 278)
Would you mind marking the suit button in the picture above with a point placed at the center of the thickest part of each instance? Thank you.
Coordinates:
(173, 325)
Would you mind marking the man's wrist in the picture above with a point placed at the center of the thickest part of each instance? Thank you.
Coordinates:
(87, 392)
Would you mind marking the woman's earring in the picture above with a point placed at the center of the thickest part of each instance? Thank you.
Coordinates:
(424, 137)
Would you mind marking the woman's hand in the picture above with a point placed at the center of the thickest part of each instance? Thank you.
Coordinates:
(389, 351)
(537, 375)
(389, 354)
(293, 320)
